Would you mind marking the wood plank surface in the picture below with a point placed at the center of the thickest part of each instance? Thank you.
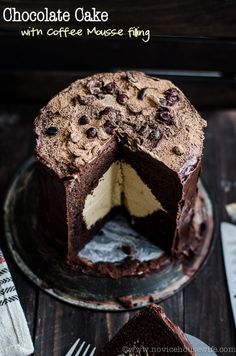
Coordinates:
(201, 309)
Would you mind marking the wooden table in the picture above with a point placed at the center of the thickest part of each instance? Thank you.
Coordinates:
(201, 309)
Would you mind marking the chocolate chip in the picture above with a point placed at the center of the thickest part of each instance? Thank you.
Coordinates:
(171, 100)
(91, 132)
(155, 135)
(134, 109)
(110, 88)
(144, 130)
(107, 110)
(112, 114)
(122, 98)
(163, 102)
(126, 301)
(164, 116)
(131, 77)
(171, 96)
(109, 127)
(95, 87)
(178, 150)
(151, 299)
(51, 131)
(84, 120)
(119, 118)
(171, 91)
(142, 93)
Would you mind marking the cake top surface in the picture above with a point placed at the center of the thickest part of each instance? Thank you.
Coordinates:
(142, 112)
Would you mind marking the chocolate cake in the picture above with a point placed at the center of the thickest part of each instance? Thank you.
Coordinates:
(117, 140)
(151, 333)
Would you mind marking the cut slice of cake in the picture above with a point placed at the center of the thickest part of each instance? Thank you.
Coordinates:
(150, 332)
(119, 140)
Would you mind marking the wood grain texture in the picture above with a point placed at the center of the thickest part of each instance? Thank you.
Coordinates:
(201, 309)
(176, 17)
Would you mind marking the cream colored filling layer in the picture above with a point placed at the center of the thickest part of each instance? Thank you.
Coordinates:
(119, 185)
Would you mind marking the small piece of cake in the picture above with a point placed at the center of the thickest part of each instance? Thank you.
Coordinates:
(119, 140)
(151, 333)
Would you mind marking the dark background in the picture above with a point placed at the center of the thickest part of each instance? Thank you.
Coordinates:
(194, 44)
(195, 36)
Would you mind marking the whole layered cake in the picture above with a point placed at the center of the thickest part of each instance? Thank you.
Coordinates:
(119, 141)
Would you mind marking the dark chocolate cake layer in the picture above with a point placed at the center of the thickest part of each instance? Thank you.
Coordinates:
(119, 139)
(149, 332)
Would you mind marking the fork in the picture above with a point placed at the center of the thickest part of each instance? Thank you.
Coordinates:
(81, 348)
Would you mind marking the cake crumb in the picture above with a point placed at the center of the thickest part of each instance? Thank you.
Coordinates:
(126, 301)
(151, 299)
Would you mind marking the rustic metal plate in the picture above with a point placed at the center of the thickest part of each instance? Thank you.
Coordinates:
(42, 265)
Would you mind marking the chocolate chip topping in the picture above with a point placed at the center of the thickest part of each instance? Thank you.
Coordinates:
(171, 100)
(51, 131)
(109, 127)
(171, 91)
(164, 116)
(91, 132)
(95, 86)
(178, 150)
(163, 102)
(144, 130)
(119, 118)
(134, 106)
(122, 98)
(155, 135)
(142, 93)
(84, 120)
(110, 88)
(171, 97)
(106, 111)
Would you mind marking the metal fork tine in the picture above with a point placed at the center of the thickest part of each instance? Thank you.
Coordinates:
(80, 349)
(72, 349)
(86, 350)
(93, 352)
